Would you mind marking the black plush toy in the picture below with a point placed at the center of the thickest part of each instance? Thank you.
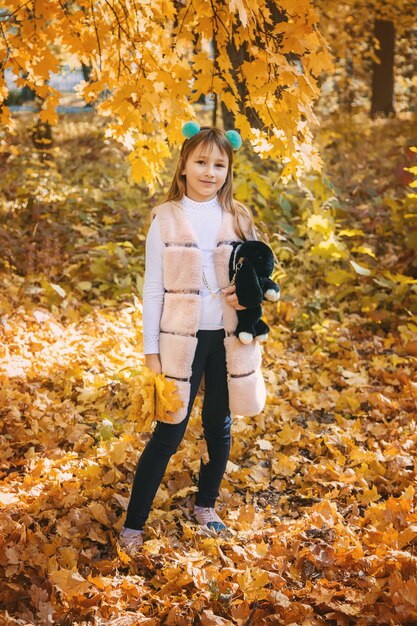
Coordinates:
(250, 267)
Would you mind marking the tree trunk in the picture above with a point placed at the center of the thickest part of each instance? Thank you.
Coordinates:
(383, 72)
(348, 90)
(41, 135)
(86, 70)
(237, 56)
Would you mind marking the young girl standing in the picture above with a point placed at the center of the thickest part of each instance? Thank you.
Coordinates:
(189, 315)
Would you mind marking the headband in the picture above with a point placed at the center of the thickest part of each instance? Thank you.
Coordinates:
(192, 128)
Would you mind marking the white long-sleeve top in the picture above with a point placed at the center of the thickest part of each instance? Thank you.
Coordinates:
(205, 219)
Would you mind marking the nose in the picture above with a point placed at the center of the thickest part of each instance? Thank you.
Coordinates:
(209, 170)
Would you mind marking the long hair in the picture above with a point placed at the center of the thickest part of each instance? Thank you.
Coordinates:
(208, 137)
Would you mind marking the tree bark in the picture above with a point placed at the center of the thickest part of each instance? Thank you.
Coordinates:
(237, 57)
(348, 94)
(383, 72)
(86, 70)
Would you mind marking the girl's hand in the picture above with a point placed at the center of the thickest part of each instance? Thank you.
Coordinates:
(231, 297)
(153, 362)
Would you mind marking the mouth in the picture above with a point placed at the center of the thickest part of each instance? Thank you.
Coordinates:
(207, 182)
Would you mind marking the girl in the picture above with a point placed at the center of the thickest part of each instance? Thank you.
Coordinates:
(189, 314)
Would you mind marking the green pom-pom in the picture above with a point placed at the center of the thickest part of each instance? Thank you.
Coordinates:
(190, 129)
(234, 138)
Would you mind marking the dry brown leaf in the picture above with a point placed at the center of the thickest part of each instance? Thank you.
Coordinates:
(208, 618)
(70, 582)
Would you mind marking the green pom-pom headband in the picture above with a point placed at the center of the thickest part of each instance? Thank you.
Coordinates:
(192, 128)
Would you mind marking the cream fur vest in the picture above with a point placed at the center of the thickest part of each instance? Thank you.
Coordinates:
(182, 275)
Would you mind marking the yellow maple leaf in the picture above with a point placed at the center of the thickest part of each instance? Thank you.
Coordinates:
(152, 397)
(167, 399)
(239, 6)
(284, 465)
(368, 495)
(123, 556)
(69, 582)
(289, 434)
(142, 397)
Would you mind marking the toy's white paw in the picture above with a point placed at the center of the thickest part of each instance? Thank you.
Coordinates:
(245, 337)
(262, 337)
(272, 295)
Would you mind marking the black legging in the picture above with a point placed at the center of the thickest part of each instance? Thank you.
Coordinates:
(209, 357)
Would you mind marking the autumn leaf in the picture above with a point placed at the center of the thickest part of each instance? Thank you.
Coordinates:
(143, 399)
(167, 399)
(70, 582)
(153, 397)
(208, 618)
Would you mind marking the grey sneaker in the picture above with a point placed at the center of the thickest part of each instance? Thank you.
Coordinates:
(131, 540)
(207, 516)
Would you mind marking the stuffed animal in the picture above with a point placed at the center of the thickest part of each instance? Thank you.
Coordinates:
(250, 267)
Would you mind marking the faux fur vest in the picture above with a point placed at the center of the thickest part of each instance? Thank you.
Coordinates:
(182, 275)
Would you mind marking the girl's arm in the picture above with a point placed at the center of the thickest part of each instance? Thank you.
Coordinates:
(153, 296)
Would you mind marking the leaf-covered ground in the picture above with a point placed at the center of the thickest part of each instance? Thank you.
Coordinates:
(319, 494)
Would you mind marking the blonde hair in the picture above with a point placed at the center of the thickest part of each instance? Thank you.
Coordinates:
(243, 221)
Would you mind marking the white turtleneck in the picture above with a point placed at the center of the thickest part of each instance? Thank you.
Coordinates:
(205, 219)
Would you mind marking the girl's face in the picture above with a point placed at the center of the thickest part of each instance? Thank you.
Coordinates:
(205, 172)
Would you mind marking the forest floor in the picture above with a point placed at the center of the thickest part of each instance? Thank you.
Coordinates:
(320, 491)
